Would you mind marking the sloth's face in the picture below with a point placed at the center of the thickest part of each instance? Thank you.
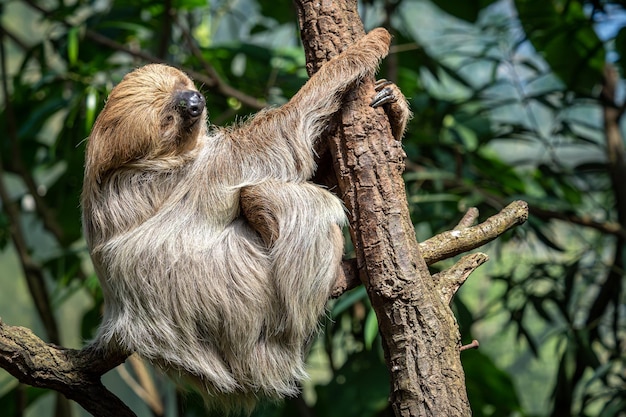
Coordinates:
(182, 118)
(154, 111)
(189, 104)
(164, 100)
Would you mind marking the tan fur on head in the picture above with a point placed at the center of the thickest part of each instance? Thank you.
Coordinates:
(129, 128)
(223, 300)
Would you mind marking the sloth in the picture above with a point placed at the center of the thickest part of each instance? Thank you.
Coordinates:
(215, 252)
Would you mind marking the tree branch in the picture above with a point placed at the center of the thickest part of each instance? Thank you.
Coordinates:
(419, 333)
(449, 244)
(450, 280)
(74, 373)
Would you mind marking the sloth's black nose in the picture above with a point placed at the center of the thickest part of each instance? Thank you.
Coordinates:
(190, 103)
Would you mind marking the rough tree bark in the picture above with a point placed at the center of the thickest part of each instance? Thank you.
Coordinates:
(420, 335)
(419, 332)
(74, 373)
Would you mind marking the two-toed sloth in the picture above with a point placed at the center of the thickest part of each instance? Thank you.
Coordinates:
(225, 300)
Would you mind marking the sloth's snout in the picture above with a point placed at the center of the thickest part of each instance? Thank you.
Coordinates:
(190, 103)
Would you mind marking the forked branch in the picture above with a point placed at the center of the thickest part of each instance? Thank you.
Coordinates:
(461, 239)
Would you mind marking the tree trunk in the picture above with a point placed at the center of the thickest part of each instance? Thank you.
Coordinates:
(419, 332)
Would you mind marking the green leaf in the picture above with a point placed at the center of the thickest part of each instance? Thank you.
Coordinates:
(539, 229)
(347, 300)
(565, 37)
(362, 384)
(90, 322)
(9, 401)
(188, 4)
(490, 390)
(466, 10)
(281, 14)
(4, 230)
(433, 198)
(615, 406)
(72, 46)
(370, 330)
(620, 48)
(91, 106)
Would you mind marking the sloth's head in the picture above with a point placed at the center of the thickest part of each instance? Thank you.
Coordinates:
(155, 111)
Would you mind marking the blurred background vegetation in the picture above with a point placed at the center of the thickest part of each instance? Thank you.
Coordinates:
(512, 100)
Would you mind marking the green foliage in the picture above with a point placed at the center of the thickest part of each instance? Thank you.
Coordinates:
(620, 47)
(506, 107)
(467, 10)
(565, 36)
(490, 390)
(9, 401)
(363, 382)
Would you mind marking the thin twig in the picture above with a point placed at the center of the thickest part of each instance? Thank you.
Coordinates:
(473, 345)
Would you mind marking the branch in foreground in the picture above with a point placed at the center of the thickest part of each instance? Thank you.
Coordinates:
(469, 219)
(419, 334)
(348, 278)
(448, 244)
(74, 373)
(450, 280)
